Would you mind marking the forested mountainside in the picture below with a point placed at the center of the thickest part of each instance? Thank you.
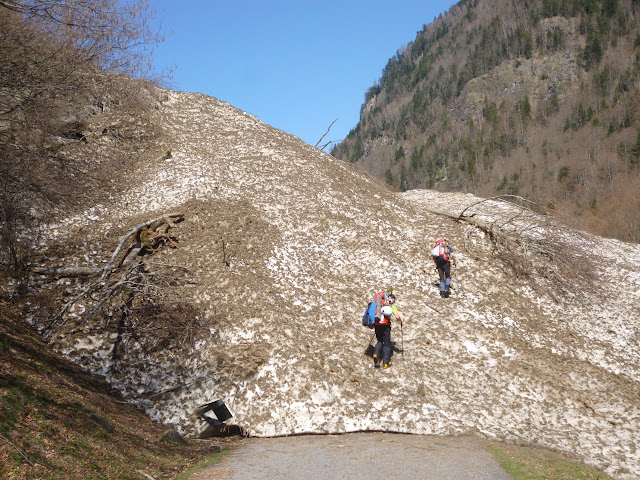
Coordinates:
(531, 98)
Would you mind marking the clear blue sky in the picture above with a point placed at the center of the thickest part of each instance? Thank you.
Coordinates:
(297, 65)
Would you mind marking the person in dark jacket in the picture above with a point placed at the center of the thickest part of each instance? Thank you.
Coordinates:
(382, 327)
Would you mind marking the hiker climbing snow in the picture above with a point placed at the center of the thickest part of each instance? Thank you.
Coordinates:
(383, 348)
(442, 254)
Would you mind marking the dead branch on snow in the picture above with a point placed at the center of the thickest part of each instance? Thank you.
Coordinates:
(150, 237)
(135, 298)
(526, 238)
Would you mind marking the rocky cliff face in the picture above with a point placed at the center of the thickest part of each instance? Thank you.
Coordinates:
(283, 246)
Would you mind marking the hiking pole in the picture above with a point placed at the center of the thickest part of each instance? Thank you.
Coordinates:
(370, 350)
(402, 342)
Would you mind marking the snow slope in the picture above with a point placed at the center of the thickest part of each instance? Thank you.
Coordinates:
(286, 244)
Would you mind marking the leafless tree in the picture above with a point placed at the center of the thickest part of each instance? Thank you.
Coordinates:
(59, 62)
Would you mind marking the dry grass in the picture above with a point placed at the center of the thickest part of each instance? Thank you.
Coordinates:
(531, 463)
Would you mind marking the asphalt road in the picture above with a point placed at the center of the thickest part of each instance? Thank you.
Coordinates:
(357, 456)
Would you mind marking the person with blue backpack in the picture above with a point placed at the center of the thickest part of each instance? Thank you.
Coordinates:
(378, 315)
(382, 328)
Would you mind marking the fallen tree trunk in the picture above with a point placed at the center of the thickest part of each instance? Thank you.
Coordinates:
(151, 225)
(68, 271)
(488, 227)
(145, 242)
(152, 232)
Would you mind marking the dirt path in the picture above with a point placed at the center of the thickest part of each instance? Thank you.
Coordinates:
(358, 456)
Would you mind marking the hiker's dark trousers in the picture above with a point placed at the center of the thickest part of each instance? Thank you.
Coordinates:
(383, 334)
(444, 267)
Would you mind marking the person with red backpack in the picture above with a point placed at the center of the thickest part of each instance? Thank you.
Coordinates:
(442, 254)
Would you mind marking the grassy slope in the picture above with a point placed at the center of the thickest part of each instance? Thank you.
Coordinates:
(69, 424)
(533, 463)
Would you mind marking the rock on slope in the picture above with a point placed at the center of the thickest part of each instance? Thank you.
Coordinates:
(286, 244)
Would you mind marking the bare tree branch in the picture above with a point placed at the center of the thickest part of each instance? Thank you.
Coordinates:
(329, 143)
(126, 266)
(325, 133)
(22, 454)
(67, 271)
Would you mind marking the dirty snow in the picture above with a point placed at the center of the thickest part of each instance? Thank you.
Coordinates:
(309, 239)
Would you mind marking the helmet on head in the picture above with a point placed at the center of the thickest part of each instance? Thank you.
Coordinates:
(386, 311)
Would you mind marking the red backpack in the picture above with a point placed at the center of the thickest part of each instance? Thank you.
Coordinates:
(443, 248)
(380, 299)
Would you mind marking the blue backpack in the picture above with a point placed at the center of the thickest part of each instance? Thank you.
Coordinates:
(369, 316)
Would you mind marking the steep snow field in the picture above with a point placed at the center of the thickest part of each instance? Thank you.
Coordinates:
(286, 244)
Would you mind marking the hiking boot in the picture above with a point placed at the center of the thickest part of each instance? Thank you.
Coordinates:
(376, 361)
(386, 365)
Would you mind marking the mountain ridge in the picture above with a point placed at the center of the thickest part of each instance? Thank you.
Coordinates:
(534, 99)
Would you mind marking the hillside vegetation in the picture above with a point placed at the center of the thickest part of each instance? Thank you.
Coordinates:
(60, 64)
(532, 98)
